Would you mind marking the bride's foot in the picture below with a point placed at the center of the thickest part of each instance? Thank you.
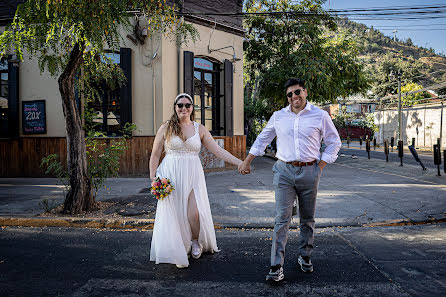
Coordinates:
(197, 249)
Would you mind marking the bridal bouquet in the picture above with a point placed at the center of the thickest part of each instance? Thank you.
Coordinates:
(161, 188)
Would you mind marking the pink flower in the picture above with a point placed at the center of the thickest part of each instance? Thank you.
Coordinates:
(168, 189)
(164, 181)
(154, 183)
(153, 192)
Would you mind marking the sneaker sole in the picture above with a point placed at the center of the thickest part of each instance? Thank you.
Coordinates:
(272, 279)
(306, 270)
(196, 257)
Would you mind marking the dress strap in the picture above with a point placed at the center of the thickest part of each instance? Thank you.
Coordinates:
(197, 126)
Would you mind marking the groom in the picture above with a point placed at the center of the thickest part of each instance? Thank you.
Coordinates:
(299, 128)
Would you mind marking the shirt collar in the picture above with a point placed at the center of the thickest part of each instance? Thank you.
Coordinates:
(308, 107)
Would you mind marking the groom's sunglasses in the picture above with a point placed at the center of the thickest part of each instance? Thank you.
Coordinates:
(180, 105)
(296, 92)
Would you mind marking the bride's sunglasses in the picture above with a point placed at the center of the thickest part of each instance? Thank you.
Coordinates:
(180, 105)
(296, 92)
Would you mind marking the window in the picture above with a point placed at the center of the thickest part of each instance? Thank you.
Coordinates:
(207, 94)
(108, 106)
(3, 99)
(211, 84)
(113, 108)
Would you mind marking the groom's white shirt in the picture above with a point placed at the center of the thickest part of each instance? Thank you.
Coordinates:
(299, 135)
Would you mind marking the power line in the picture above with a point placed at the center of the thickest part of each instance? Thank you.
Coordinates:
(384, 11)
(409, 29)
(397, 6)
(416, 25)
(397, 18)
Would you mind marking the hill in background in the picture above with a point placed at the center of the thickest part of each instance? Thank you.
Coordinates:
(379, 53)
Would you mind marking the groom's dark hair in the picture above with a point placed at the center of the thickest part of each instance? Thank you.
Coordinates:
(294, 81)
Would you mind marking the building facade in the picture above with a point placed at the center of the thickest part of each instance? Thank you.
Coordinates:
(156, 68)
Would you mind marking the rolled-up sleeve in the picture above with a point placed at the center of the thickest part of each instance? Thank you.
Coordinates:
(331, 139)
(264, 138)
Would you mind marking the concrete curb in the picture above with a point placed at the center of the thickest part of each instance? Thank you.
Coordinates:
(72, 222)
(147, 224)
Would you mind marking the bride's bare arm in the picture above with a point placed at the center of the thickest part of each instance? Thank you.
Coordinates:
(209, 142)
(157, 149)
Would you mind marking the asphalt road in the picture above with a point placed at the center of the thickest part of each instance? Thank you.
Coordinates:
(384, 261)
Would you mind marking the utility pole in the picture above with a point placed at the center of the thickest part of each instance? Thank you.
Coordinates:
(400, 120)
(441, 125)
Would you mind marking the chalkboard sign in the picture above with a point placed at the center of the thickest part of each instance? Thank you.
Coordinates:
(34, 117)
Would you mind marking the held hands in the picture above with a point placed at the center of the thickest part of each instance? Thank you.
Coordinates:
(322, 164)
(244, 168)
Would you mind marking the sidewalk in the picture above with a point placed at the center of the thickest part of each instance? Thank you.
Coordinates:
(353, 192)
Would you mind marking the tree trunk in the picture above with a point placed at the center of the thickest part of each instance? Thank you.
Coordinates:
(80, 196)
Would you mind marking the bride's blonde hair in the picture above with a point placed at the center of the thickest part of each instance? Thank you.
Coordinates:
(173, 125)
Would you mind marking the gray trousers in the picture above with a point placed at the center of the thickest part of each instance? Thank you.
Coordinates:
(288, 182)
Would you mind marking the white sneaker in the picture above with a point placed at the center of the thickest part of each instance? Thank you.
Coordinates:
(197, 249)
(181, 266)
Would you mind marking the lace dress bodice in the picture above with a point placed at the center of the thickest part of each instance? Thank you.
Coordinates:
(176, 146)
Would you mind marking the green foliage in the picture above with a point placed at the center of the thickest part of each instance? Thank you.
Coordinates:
(47, 205)
(340, 121)
(49, 29)
(344, 120)
(385, 83)
(55, 168)
(103, 155)
(280, 46)
(409, 100)
(70, 39)
(255, 113)
(367, 121)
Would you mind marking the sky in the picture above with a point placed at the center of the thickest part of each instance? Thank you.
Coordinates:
(425, 32)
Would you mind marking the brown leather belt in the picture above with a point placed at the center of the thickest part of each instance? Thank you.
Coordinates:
(299, 164)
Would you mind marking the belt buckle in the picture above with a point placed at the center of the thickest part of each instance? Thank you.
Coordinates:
(296, 163)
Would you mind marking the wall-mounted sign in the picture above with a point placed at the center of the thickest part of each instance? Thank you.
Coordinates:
(34, 117)
(203, 64)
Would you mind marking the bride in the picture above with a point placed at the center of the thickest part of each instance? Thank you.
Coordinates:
(183, 221)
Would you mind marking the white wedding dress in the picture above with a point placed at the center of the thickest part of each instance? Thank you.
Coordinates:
(171, 240)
